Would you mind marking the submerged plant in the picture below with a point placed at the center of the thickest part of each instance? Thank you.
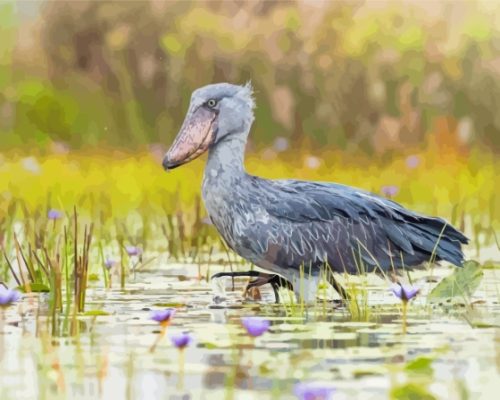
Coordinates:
(314, 391)
(163, 317)
(255, 326)
(405, 293)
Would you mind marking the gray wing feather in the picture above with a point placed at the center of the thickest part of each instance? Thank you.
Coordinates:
(291, 223)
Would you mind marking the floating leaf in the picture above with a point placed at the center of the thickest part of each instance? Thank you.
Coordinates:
(460, 285)
(170, 305)
(210, 345)
(420, 365)
(35, 288)
(95, 313)
(491, 265)
(411, 391)
(93, 277)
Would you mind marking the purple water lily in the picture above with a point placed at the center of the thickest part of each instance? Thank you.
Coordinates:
(255, 326)
(404, 292)
(390, 190)
(181, 340)
(109, 263)
(133, 250)
(314, 391)
(8, 296)
(54, 214)
(412, 161)
(163, 316)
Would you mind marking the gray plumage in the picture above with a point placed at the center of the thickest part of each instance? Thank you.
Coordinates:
(283, 225)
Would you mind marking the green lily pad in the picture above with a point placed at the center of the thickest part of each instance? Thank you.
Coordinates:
(491, 265)
(411, 391)
(420, 365)
(170, 305)
(94, 313)
(458, 286)
(34, 287)
(210, 345)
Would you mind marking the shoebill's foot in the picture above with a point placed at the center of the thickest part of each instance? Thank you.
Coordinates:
(261, 278)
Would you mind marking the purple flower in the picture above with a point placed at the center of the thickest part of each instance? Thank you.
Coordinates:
(314, 391)
(54, 214)
(390, 190)
(280, 144)
(404, 292)
(255, 326)
(163, 316)
(181, 340)
(109, 263)
(412, 161)
(133, 250)
(8, 296)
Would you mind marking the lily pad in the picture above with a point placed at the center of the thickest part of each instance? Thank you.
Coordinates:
(94, 313)
(170, 305)
(411, 391)
(420, 365)
(34, 287)
(459, 286)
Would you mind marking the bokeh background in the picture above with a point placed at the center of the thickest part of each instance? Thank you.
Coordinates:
(400, 98)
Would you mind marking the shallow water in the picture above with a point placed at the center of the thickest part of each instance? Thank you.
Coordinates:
(441, 353)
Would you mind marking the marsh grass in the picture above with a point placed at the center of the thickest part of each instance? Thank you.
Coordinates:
(58, 265)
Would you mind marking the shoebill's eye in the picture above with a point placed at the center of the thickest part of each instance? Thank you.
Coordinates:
(212, 103)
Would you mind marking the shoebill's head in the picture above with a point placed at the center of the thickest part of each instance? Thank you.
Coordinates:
(216, 113)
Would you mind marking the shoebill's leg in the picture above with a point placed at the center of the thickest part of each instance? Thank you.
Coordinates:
(275, 281)
(305, 287)
(338, 287)
(262, 278)
(278, 281)
(234, 274)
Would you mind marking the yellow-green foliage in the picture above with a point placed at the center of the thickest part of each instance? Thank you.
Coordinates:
(119, 183)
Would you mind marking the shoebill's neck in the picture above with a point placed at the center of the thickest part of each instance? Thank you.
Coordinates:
(225, 161)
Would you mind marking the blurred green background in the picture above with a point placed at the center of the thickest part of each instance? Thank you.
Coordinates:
(356, 76)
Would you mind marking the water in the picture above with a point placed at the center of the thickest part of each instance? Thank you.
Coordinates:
(442, 352)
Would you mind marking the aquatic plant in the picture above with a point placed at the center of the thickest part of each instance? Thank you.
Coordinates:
(412, 161)
(133, 250)
(54, 214)
(163, 317)
(181, 340)
(8, 296)
(255, 326)
(135, 256)
(109, 263)
(314, 391)
(389, 190)
(405, 293)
